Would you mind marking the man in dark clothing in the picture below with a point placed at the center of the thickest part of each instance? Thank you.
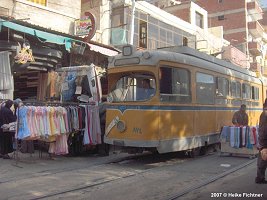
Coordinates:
(6, 117)
(240, 117)
(262, 164)
(103, 148)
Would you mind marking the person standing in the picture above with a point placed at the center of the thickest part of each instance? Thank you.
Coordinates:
(103, 148)
(240, 118)
(6, 117)
(262, 164)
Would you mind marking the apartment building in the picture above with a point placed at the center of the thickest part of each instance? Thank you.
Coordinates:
(240, 20)
(153, 27)
(37, 36)
(263, 22)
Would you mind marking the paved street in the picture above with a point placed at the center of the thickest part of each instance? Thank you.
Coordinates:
(123, 176)
(238, 185)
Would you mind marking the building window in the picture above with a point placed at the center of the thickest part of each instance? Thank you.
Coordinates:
(118, 31)
(143, 34)
(41, 2)
(199, 20)
(4, 11)
(221, 17)
(117, 17)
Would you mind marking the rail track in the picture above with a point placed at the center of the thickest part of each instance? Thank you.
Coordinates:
(124, 161)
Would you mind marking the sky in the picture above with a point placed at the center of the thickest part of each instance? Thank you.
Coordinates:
(264, 3)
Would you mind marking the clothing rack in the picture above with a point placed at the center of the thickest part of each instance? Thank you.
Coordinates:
(73, 68)
(55, 103)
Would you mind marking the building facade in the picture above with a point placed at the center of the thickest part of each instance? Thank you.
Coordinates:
(59, 15)
(153, 27)
(240, 20)
(37, 37)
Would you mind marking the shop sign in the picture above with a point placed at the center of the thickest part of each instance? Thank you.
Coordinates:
(24, 56)
(86, 26)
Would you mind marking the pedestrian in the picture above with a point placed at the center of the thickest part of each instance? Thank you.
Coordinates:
(262, 164)
(103, 148)
(17, 103)
(240, 118)
(6, 137)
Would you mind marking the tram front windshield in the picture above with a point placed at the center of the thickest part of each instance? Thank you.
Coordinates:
(133, 87)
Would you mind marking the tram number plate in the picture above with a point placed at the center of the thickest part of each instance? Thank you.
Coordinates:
(137, 130)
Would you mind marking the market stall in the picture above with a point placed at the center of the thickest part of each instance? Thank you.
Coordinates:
(239, 140)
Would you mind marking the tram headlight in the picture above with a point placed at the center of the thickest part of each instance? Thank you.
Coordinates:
(121, 126)
(127, 50)
(146, 55)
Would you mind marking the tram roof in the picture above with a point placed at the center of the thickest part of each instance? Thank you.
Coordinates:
(184, 55)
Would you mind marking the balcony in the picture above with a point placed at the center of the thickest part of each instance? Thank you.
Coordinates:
(254, 10)
(255, 66)
(264, 70)
(255, 29)
(254, 48)
(235, 56)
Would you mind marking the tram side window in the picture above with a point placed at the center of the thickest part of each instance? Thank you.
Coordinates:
(222, 89)
(235, 89)
(246, 91)
(255, 93)
(205, 88)
(175, 85)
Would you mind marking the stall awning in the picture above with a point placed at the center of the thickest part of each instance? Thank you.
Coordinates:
(42, 35)
(102, 50)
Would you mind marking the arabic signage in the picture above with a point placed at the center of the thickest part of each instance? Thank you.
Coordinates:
(86, 26)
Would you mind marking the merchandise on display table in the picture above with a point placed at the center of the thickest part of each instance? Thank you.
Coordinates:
(239, 140)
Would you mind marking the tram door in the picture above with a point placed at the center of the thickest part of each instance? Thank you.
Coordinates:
(205, 114)
(175, 113)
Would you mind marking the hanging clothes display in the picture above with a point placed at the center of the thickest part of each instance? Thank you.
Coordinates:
(55, 123)
(239, 140)
(239, 137)
(6, 78)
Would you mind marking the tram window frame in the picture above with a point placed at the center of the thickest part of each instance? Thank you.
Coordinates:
(255, 93)
(202, 83)
(170, 90)
(222, 87)
(246, 91)
(235, 89)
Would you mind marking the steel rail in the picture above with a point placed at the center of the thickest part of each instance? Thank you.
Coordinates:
(208, 181)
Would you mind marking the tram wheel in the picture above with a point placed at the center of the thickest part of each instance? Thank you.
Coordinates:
(203, 150)
(193, 152)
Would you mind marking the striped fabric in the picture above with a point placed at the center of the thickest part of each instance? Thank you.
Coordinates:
(41, 2)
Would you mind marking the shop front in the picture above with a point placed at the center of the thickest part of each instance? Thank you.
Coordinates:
(59, 79)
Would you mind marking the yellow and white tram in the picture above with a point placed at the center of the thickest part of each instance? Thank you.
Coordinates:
(192, 95)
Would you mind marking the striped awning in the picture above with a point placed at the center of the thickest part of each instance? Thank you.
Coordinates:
(102, 50)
